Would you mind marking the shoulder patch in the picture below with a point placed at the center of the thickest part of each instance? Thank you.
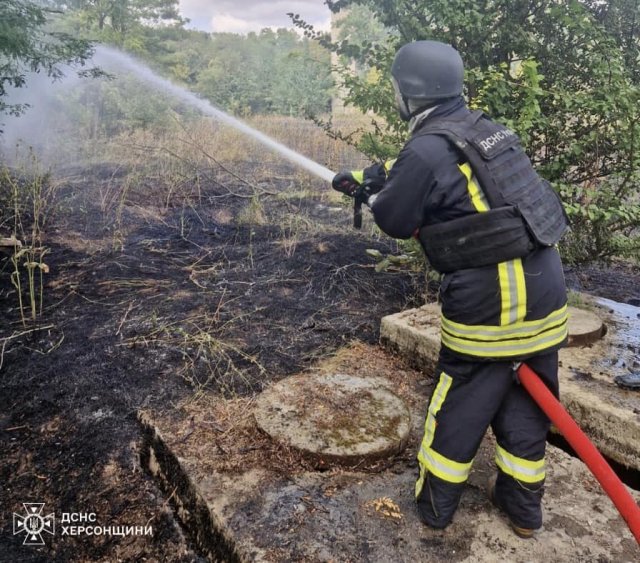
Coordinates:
(491, 143)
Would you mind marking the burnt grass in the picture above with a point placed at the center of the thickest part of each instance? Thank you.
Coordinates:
(150, 303)
(153, 300)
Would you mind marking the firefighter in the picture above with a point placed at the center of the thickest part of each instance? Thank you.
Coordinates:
(465, 188)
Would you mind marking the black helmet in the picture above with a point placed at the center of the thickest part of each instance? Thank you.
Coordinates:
(424, 72)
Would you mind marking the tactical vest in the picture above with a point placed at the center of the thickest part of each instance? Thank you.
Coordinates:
(525, 212)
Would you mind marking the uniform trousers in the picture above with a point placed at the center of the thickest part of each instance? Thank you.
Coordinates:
(469, 397)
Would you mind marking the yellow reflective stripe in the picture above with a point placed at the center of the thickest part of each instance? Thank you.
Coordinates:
(520, 329)
(506, 348)
(475, 193)
(513, 292)
(439, 395)
(420, 481)
(505, 293)
(521, 290)
(443, 467)
(358, 175)
(388, 165)
(521, 469)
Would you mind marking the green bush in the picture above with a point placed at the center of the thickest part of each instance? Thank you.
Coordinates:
(564, 75)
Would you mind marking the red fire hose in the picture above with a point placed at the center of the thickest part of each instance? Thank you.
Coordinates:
(588, 453)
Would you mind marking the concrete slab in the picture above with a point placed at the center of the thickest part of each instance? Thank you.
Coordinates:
(244, 497)
(336, 419)
(585, 327)
(609, 415)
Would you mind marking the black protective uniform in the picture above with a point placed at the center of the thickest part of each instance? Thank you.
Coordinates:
(491, 316)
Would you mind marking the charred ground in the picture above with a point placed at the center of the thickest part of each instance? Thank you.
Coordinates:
(157, 297)
(151, 303)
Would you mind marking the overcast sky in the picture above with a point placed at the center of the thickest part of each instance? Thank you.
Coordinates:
(242, 16)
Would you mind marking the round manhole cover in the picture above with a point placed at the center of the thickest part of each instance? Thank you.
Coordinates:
(585, 327)
(339, 419)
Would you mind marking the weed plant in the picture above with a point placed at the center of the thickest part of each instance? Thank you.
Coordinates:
(26, 197)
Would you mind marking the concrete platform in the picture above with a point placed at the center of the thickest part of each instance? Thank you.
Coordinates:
(244, 497)
(609, 415)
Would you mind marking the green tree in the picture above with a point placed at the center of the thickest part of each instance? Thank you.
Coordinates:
(564, 75)
(119, 22)
(359, 28)
(266, 72)
(300, 82)
(28, 45)
(622, 20)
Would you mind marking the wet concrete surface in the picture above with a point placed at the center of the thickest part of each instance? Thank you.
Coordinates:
(626, 323)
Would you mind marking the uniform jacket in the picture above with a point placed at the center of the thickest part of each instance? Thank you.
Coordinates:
(514, 309)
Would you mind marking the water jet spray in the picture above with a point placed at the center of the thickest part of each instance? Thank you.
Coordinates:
(144, 73)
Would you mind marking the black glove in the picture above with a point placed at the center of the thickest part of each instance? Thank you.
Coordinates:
(375, 177)
(347, 182)
(366, 190)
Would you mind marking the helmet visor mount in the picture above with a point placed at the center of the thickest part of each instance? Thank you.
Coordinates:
(402, 104)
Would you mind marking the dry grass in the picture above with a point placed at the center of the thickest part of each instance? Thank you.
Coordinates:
(207, 146)
(307, 138)
(172, 166)
(222, 434)
(176, 167)
(209, 358)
